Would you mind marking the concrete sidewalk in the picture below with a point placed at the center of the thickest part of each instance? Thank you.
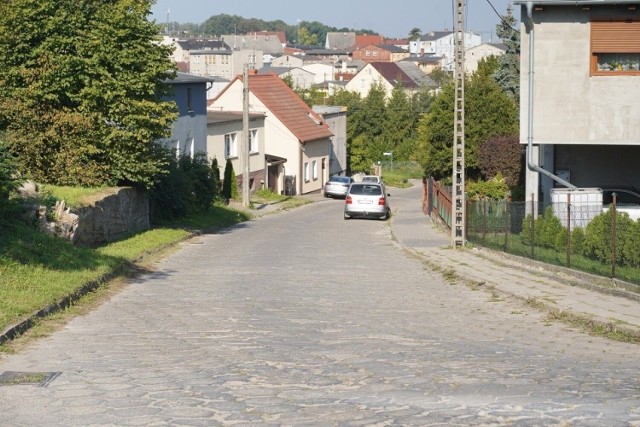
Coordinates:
(564, 293)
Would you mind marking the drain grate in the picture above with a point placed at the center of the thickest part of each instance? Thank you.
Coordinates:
(27, 378)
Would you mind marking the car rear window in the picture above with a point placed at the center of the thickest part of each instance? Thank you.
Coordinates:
(341, 179)
(365, 190)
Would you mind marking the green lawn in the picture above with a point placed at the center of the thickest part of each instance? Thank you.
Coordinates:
(37, 270)
(513, 244)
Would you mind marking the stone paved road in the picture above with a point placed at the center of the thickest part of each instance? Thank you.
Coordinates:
(302, 318)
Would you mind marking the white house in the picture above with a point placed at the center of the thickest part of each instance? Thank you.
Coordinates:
(322, 72)
(579, 104)
(296, 139)
(226, 139)
(336, 118)
(476, 54)
(441, 44)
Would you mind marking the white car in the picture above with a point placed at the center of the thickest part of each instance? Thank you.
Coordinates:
(367, 200)
(337, 186)
(371, 178)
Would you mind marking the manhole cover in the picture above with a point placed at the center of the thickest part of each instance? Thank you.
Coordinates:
(30, 378)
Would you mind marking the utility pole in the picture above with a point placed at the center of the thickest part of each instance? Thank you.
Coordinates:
(458, 200)
(246, 142)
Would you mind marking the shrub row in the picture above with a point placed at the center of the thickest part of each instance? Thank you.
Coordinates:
(595, 241)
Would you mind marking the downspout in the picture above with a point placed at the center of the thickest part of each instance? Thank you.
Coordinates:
(530, 164)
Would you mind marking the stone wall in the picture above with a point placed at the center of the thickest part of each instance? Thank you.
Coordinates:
(112, 218)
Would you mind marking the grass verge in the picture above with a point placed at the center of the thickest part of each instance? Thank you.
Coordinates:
(39, 271)
(512, 244)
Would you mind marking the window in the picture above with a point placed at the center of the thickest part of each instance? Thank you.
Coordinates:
(306, 171)
(178, 148)
(230, 145)
(253, 141)
(192, 148)
(314, 169)
(615, 48)
(189, 100)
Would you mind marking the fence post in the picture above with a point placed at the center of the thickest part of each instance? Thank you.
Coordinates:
(483, 206)
(533, 225)
(569, 230)
(507, 226)
(613, 236)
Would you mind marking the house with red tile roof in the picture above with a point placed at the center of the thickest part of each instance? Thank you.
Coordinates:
(365, 40)
(297, 142)
(389, 75)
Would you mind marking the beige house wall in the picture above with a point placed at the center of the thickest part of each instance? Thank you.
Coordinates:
(215, 145)
(476, 54)
(278, 140)
(570, 106)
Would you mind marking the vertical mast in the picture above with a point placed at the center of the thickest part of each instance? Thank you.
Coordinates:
(458, 222)
(246, 140)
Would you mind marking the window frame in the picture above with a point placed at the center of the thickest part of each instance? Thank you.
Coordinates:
(613, 36)
(253, 141)
(231, 145)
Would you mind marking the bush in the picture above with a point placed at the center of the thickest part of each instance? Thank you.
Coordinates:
(187, 187)
(595, 241)
(501, 155)
(527, 225)
(8, 180)
(549, 232)
(230, 183)
(560, 243)
(577, 240)
(631, 247)
(215, 179)
(496, 188)
(548, 227)
(598, 240)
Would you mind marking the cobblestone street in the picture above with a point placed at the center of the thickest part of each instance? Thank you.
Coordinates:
(303, 318)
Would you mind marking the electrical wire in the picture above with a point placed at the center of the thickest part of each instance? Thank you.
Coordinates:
(500, 16)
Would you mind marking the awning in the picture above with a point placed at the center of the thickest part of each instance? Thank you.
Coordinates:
(274, 160)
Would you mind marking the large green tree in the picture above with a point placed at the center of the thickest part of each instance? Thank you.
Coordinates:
(489, 112)
(81, 90)
(399, 126)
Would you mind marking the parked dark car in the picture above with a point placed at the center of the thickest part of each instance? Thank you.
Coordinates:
(337, 186)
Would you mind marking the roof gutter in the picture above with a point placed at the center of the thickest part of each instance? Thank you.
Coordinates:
(528, 22)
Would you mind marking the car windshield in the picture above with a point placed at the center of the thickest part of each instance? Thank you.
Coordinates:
(342, 179)
(365, 190)
(370, 179)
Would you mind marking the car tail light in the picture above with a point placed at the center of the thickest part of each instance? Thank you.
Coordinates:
(349, 200)
(381, 201)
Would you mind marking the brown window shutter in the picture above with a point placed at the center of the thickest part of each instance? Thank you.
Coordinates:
(615, 36)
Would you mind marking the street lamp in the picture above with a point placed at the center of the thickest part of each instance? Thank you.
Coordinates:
(389, 154)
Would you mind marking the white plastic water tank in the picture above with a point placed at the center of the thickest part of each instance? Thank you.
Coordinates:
(586, 204)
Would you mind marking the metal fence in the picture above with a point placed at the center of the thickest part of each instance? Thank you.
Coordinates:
(509, 227)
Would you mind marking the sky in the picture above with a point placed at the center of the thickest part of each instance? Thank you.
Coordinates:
(391, 19)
